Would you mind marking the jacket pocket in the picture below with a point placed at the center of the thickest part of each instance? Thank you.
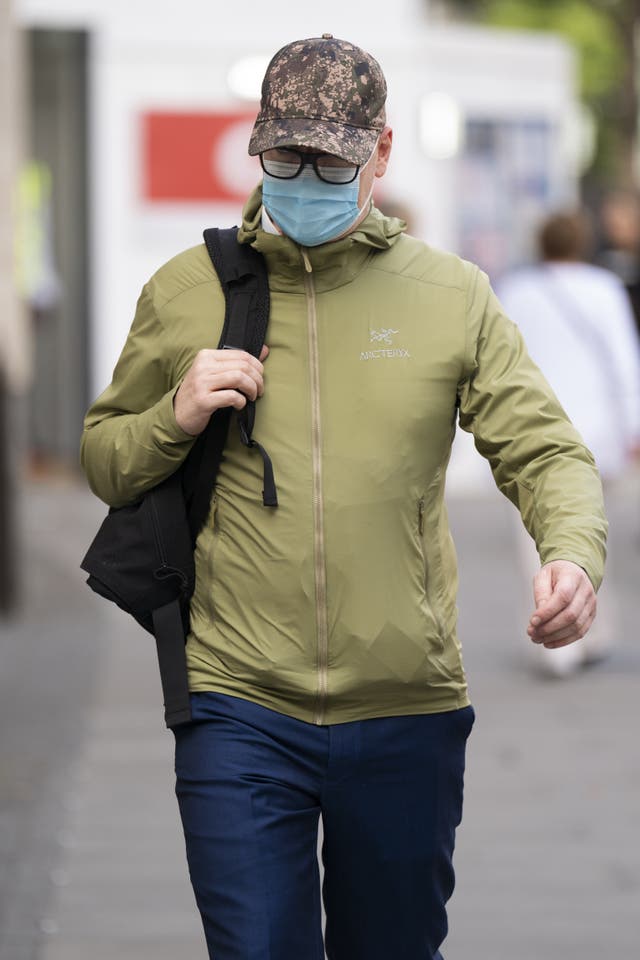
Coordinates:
(428, 578)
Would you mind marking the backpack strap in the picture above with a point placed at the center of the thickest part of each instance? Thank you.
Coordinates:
(244, 280)
(245, 283)
(168, 629)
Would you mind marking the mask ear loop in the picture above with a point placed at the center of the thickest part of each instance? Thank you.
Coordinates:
(368, 202)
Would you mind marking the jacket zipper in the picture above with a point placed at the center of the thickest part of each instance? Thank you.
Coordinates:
(318, 505)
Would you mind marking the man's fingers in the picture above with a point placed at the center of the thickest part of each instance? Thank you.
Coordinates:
(542, 586)
(219, 375)
(236, 379)
(229, 398)
(551, 604)
(221, 371)
(555, 611)
(564, 614)
(572, 620)
(575, 627)
(214, 359)
(217, 378)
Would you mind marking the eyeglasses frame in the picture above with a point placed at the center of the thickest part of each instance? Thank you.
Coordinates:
(309, 159)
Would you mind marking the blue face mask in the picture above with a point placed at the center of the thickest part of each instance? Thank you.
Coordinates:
(309, 210)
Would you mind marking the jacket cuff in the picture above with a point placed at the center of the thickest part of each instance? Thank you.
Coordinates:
(166, 429)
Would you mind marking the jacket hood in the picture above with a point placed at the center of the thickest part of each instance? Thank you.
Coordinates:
(333, 263)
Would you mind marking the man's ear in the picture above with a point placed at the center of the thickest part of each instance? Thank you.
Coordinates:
(384, 151)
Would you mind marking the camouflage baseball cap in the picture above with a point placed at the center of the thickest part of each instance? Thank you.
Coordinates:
(322, 93)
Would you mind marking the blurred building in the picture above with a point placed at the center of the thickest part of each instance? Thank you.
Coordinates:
(140, 119)
(14, 352)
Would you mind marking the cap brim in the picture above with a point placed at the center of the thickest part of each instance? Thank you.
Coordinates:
(354, 144)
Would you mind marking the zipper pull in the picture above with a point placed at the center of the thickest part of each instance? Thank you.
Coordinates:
(421, 516)
(306, 261)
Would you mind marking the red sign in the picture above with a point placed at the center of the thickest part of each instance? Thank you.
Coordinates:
(198, 157)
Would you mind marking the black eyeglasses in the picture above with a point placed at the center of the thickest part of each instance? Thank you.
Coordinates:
(285, 163)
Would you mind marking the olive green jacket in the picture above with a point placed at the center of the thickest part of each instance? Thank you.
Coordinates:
(341, 603)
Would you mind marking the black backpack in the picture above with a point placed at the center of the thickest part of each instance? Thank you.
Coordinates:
(142, 556)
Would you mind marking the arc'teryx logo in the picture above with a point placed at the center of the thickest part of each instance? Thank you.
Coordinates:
(382, 336)
(385, 335)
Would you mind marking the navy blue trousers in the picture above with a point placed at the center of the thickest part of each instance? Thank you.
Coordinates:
(251, 786)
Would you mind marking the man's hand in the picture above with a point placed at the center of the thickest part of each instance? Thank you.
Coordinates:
(565, 604)
(216, 379)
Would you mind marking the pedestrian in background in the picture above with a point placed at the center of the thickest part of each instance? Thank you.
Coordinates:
(618, 243)
(324, 666)
(579, 328)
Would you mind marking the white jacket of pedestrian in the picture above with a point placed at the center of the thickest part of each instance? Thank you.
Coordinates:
(579, 328)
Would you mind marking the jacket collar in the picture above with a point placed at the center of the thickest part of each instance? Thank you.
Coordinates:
(332, 264)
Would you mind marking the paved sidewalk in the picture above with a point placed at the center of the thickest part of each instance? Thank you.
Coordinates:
(123, 889)
(548, 857)
(92, 861)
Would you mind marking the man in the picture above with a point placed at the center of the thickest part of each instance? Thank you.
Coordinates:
(578, 325)
(324, 665)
